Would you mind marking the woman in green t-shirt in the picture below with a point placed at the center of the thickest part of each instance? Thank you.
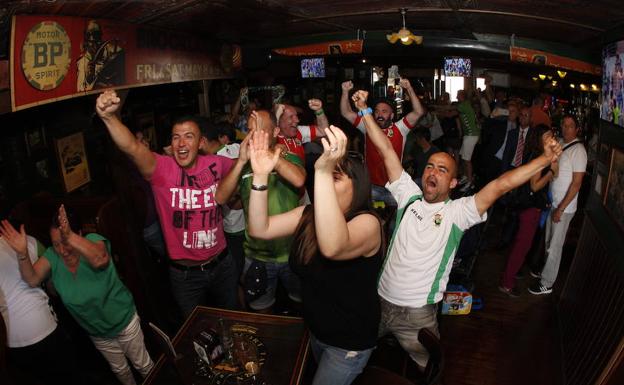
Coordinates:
(85, 278)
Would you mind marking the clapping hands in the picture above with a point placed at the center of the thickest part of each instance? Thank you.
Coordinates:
(334, 149)
(263, 160)
(17, 240)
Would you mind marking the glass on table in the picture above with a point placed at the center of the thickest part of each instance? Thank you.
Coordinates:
(246, 355)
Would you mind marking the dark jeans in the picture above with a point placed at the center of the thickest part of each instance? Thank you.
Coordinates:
(215, 286)
(235, 246)
(49, 361)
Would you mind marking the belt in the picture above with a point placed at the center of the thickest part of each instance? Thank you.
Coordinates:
(204, 266)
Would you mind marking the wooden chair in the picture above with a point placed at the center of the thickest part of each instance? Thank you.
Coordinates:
(390, 357)
(433, 371)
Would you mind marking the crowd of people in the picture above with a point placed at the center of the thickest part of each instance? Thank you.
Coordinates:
(238, 222)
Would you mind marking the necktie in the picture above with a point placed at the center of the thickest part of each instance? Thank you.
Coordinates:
(519, 149)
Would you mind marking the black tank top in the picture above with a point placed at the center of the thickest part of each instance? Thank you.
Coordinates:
(340, 302)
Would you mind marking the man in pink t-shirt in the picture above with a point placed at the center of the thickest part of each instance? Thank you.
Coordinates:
(187, 197)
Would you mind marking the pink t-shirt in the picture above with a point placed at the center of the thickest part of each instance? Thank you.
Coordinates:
(190, 217)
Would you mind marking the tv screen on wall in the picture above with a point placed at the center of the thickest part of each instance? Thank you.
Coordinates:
(457, 66)
(313, 68)
(613, 83)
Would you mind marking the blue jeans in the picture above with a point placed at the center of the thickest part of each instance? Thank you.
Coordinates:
(337, 366)
(215, 286)
(275, 271)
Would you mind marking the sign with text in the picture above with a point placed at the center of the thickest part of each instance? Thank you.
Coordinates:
(57, 57)
(526, 55)
(340, 47)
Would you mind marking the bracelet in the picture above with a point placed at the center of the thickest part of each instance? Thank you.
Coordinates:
(319, 112)
(259, 187)
(367, 111)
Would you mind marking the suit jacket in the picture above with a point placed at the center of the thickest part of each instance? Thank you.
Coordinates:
(510, 147)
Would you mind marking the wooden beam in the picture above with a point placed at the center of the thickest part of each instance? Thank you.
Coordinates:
(449, 10)
(166, 11)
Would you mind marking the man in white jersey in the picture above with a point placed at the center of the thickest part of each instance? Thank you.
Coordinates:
(428, 231)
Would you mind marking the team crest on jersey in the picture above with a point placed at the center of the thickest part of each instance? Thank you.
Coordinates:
(390, 133)
(437, 219)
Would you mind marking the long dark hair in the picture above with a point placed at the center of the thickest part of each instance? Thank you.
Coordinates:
(534, 146)
(305, 246)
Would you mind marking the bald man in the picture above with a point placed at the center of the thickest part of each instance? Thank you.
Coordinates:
(429, 228)
(283, 196)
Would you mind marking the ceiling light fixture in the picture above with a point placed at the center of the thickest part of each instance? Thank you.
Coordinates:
(542, 76)
(404, 35)
(562, 74)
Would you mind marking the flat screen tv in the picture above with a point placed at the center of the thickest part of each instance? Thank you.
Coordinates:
(613, 83)
(313, 68)
(457, 66)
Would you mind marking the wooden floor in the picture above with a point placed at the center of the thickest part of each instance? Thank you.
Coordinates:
(511, 340)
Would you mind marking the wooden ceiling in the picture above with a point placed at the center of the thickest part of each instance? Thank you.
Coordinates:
(579, 23)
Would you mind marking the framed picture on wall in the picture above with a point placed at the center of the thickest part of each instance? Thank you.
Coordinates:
(72, 158)
(604, 153)
(35, 139)
(614, 196)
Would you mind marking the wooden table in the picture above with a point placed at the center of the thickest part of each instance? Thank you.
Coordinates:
(285, 340)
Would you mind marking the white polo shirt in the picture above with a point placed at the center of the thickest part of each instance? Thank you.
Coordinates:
(424, 243)
(573, 159)
(25, 309)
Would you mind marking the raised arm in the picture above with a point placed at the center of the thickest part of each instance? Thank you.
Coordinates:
(539, 181)
(380, 140)
(94, 253)
(316, 105)
(338, 239)
(106, 106)
(33, 275)
(417, 108)
(345, 104)
(229, 184)
(259, 224)
(516, 177)
(237, 105)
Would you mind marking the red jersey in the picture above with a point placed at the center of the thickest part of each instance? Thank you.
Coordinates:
(305, 134)
(397, 134)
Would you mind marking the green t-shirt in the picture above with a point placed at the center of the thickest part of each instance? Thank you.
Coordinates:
(97, 299)
(283, 197)
(468, 119)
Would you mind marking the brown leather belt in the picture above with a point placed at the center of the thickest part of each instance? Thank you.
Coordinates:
(214, 261)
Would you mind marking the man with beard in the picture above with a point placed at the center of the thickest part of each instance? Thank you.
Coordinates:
(188, 196)
(429, 228)
(395, 131)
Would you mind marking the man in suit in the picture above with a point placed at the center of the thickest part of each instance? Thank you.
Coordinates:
(513, 155)
(514, 144)
(494, 137)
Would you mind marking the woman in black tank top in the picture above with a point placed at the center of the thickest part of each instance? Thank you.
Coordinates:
(337, 250)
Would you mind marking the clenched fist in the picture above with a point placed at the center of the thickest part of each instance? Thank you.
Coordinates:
(107, 104)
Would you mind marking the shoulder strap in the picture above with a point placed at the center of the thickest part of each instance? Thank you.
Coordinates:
(570, 145)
